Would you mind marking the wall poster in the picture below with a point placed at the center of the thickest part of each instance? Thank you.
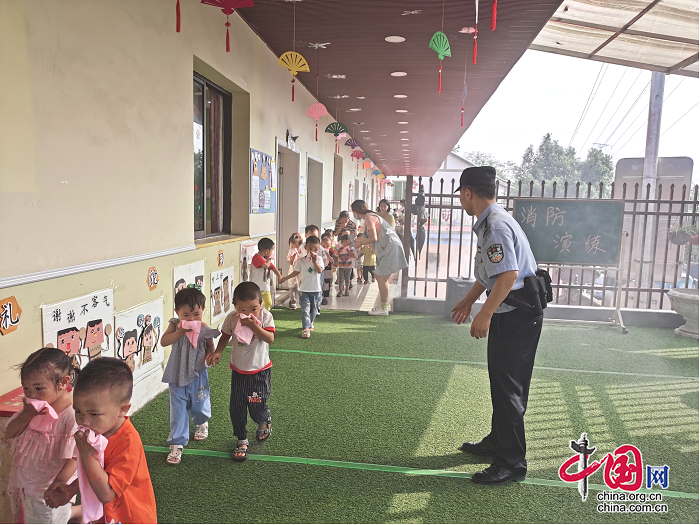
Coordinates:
(263, 192)
(188, 274)
(248, 250)
(81, 327)
(221, 294)
(138, 336)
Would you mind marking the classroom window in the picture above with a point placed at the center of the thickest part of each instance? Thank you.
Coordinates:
(212, 159)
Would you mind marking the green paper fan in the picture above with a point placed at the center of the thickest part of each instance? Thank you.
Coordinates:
(440, 45)
(336, 128)
(366, 156)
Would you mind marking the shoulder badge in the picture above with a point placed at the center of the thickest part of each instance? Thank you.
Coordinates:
(495, 253)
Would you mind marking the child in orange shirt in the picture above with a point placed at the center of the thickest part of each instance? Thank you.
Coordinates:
(101, 399)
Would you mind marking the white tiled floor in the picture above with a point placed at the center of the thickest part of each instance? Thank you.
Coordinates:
(363, 297)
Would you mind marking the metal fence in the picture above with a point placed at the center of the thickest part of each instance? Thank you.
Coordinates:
(445, 243)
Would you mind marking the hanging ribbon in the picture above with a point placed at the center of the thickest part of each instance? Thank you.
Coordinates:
(476, 30)
(228, 39)
(440, 78)
(293, 81)
(494, 14)
(177, 16)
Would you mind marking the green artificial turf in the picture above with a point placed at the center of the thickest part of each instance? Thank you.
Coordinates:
(415, 412)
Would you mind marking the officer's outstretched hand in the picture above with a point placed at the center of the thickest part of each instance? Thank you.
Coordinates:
(460, 313)
(480, 325)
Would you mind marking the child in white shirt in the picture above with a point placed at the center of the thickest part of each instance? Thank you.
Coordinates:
(310, 272)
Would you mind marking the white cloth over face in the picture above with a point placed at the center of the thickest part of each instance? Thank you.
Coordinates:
(243, 333)
(92, 508)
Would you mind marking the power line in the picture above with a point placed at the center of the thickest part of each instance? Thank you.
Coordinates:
(628, 111)
(606, 107)
(585, 108)
(619, 106)
(641, 112)
(676, 122)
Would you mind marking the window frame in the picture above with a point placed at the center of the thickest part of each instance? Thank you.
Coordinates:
(226, 137)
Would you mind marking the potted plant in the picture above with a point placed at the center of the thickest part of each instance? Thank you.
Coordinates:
(683, 234)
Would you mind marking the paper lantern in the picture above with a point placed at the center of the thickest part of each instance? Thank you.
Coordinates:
(227, 7)
(295, 63)
(441, 46)
(316, 111)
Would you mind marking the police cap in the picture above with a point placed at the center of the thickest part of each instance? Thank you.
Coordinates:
(478, 176)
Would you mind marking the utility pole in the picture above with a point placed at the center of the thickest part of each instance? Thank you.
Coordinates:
(651, 160)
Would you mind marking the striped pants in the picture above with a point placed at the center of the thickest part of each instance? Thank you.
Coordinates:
(249, 393)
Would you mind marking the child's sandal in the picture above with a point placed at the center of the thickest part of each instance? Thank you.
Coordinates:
(262, 434)
(305, 334)
(240, 453)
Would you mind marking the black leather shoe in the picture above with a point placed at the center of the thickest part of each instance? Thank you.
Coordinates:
(480, 448)
(495, 475)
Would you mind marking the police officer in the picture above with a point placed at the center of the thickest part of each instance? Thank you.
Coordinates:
(503, 261)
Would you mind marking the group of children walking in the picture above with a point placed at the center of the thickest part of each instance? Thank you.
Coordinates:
(71, 439)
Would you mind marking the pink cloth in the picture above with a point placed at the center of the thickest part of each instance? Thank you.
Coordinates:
(243, 333)
(92, 508)
(42, 422)
(195, 326)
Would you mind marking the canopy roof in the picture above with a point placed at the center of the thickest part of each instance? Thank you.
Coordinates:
(659, 35)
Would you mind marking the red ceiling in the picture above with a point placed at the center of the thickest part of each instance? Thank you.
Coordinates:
(356, 32)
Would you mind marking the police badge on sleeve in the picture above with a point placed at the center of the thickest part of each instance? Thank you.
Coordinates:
(495, 253)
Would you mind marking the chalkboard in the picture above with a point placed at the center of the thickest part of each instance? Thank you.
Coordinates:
(568, 231)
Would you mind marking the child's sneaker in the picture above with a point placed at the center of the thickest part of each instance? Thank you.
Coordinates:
(202, 432)
(175, 455)
(324, 302)
(292, 306)
(346, 293)
(340, 294)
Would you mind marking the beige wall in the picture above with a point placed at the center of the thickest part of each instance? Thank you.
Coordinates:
(101, 119)
(96, 145)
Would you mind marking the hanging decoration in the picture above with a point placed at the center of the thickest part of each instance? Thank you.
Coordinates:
(376, 172)
(358, 154)
(177, 16)
(464, 97)
(227, 7)
(476, 30)
(441, 46)
(336, 128)
(353, 143)
(367, 165)
(494, 14)
(316, 111)
(292, 60)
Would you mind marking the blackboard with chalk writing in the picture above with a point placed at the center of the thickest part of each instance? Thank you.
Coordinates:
(568, 231)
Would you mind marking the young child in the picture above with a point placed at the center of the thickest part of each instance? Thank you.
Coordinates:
(41, 438)
(370, 260)
(312, 230)
(310, 270)
(346, 257)
(260, 267)
(123, 486)
(254, 330)
(295, 242)
(331, 255)
(186, 371)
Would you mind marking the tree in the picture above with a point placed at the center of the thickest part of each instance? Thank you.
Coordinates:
(551, 162)
(597, 167)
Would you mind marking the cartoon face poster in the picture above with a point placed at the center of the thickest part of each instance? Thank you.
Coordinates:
(189, 274)
(263, 183)
(248, 250)
(81, 327)
(138, 337)
(221, 293)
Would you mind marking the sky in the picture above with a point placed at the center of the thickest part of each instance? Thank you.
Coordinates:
(545, 93)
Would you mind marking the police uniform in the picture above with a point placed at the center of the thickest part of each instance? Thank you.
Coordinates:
(513, 335)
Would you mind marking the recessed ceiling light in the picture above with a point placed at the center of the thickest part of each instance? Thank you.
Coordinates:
(405, 149)
(403, 131)
(403, 122)
(340, 96)
(405, 139)
(395, 39)
(354, 110)
(361, 98)
(402, 111)
(373, 144)
(364, 131)
(382, 135)
(400, 96)
(331, 75)
(399, 74)
(359, 123)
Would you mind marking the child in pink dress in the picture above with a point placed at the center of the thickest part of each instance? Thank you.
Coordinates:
(41, 439)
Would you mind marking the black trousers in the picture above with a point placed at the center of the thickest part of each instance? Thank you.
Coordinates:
(512, 343)
(249, 392)
(366, 270)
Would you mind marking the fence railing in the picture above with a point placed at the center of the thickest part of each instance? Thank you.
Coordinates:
(445, 244)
